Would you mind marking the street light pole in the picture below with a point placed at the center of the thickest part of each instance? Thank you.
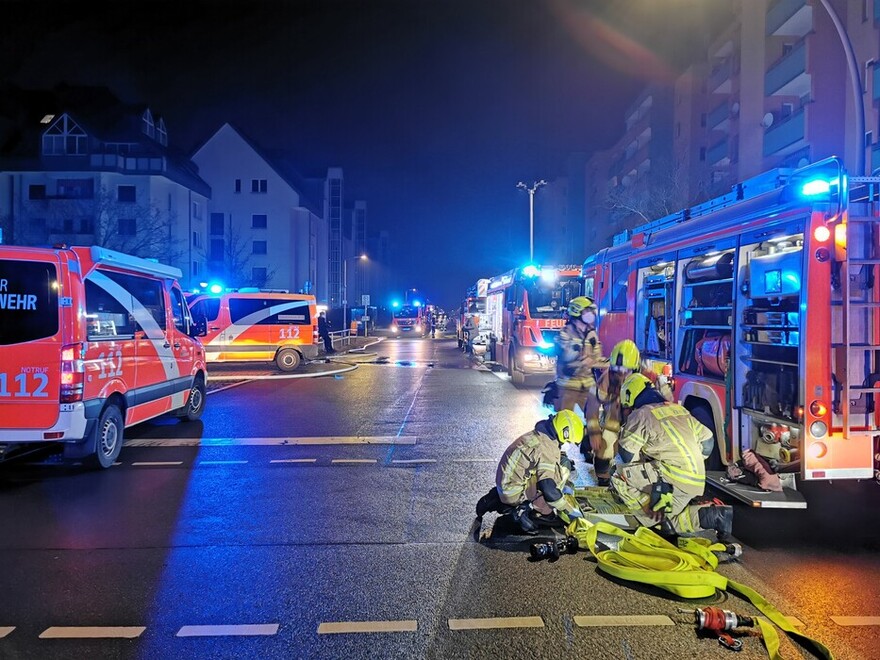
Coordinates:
(362, 257)
(531, 191)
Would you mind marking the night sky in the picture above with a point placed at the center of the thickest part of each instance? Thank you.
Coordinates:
(433, 109)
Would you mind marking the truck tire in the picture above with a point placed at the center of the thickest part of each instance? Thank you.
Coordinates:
(287, 360)
(195, 402)
(702, 412)
(517, 377)
(108, 437)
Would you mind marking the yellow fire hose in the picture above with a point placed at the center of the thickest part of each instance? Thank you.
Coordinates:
(687, 571)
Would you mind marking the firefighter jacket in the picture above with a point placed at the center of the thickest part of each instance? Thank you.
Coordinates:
(533, 461)
(578, 353)
(670, 437)
(608, 393)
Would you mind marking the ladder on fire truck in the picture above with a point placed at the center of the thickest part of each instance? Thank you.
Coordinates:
(856, 363)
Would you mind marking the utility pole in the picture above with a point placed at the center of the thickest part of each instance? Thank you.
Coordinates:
(532, 191)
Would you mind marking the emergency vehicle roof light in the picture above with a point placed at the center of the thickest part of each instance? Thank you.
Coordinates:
(216, 288)
(816, 187)
(549, 275)
(395, 304)
(531, 271)
(417, 303)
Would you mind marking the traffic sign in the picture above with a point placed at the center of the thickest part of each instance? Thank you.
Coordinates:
(365, 299)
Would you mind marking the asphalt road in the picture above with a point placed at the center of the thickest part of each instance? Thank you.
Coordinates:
(333, 517)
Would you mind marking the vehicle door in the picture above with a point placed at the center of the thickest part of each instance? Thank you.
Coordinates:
(211, 313)
(182, 345)
(247, 337)
(290, 322)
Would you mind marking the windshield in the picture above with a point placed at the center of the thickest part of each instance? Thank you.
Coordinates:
(477, 306)
(550, 299)
(407, 313)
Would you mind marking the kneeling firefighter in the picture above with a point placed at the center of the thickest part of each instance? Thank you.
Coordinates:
(671, 445)
(533, 475)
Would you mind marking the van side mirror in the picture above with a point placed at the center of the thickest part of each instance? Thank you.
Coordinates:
(199, 327)
(511, 306)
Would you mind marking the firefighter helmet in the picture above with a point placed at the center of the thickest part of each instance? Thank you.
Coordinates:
(579, 305)
(625, 355)
(569, 426)
(634, 385)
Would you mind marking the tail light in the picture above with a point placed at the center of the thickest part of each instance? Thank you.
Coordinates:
(72, 373)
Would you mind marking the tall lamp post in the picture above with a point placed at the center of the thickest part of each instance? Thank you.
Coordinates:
(362, 257)
(532, 191)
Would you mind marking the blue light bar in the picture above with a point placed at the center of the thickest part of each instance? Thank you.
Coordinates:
(216, 288)
(531, 271)
(395, 304)
(816, 187)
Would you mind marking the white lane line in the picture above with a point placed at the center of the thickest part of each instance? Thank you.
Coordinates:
(156, 463)
(623, 620)
(222, 462)
(337, 627)
(293, 460)
(497, 622)
(414, 461)
(92, 632)
(353, 460)
(245, 442)
(5, 630)
(229, 631)
(856, 620)
(473, 460)
(216, 378)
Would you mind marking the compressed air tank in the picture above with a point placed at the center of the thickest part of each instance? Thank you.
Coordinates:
(716, 267)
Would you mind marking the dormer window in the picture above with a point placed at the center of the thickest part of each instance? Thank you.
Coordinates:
(147, 125)
(64, 138)
(162, 133)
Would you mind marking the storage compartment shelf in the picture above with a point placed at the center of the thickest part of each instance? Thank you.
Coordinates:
(727, 280)
(763, 361)
(705, 327)
(769, 343)
(758, 414)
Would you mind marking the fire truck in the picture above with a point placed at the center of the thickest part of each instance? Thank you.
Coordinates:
(474, 308)
(525, 308)
(765, 303)
(409, 318)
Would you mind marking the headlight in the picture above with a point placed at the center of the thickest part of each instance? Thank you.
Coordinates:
(418, 328)
(818, 429)
(393, 328)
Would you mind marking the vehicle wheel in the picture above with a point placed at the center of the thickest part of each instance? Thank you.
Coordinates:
(703, 414)
(287, 360)
(516, 376)
(108, 437)
(195, 402)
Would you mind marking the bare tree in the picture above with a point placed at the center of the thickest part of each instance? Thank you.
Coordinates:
(236, 267)
(659, 192)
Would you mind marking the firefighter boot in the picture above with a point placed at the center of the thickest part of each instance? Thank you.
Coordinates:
(489, 502)
(603, 471)
(718, 517)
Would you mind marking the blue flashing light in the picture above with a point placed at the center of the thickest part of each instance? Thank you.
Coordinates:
(216, 288)
(545, 345)
(196, 290)
(531, 271)
(417, 303)
(816, 187)
(395, 304)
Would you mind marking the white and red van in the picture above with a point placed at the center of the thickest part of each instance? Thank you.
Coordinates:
(92, 341)
(258, 326)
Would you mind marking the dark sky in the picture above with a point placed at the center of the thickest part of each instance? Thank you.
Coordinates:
(434, 109)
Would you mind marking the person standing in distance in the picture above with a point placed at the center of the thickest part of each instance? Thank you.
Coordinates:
(324, 332)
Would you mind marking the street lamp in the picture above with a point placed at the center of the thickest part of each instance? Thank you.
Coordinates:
(362, 257)
(531, 191)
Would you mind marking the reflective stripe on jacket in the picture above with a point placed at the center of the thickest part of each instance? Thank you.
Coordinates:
(578, 353)
(530, 458)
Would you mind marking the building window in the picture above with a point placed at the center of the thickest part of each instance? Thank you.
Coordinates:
(87, 225)
(217, 249)
(162, 133)
(196, 210)
(258, 275)
(678, 129)
(260, 247)
(76, 188)
(147, 125)
(64, 138)
(259, 185)
(869, 138)
(126, 194)
(195, 268)
(36, 191)
(197, 239)
(127, 227)
(259, 221)
(238, 185)
(217, 224)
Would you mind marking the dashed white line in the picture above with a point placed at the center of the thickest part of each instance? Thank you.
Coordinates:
(856, 620)
(5, 630)
(473, 460)
(497, 622)
(156, 463)
(414, 461)
(241, 630)
(222, 462)
(337, 627)
(92, 632)
(623, 620)
(354, 460)
(247, 442)
(293, 460)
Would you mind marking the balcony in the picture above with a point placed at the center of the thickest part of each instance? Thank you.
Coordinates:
(718, 154)
(719, 118)
(790, 18)
(128, 163)
(789, 77)
(786, 136)
(719, 79)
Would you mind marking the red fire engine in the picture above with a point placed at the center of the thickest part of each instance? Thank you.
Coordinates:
(525, 308)
(766, 304)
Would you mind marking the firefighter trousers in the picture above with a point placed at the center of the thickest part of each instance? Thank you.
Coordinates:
(535, 496)
(632, 484)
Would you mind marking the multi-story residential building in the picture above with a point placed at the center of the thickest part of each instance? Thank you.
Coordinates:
(333, 213)
(78, 166)
(358, 268)
(559, 212)
(263, 231)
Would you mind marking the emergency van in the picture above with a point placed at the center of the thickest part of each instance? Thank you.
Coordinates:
(91, 341)
(258, 327)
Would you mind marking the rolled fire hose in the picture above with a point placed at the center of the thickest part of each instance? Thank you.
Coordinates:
(687, 571)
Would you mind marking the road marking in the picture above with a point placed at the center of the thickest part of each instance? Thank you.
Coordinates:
(252, 377)
(414, 461)
(293, 460)
(497, 622)
(336, 627)
(623, 620)
(243, 442)
(856, 620)
(228, 631)
(222, 462)
(155, 463)
(353, 460)
(94, 632)
(5, 631)
(474, 460)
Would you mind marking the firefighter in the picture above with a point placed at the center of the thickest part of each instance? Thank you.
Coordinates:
(533, 475)
(579, 351)
(669, 473)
